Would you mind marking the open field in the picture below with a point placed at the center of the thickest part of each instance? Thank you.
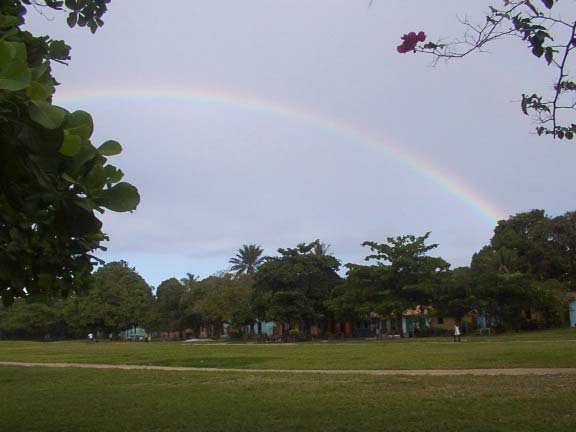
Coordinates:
(41, 399)
(547, 349)
(70, 399)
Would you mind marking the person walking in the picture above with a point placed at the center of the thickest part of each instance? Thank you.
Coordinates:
(456, 333)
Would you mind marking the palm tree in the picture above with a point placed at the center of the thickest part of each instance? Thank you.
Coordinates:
(247, 259)
(189, 280)
(321, 248)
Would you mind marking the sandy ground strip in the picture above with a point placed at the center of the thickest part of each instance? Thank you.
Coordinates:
(376, 372)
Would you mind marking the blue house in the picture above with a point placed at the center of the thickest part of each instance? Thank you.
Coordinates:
(134, 333)
(266, 327)
(573, 313)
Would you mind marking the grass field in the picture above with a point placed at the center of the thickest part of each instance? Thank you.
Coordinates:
(536, 349)
(43, 399)
(39, 399)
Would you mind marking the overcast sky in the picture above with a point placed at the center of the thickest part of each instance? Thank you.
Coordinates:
(216, 175)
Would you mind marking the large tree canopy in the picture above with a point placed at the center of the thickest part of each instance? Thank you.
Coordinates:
(535, 244)
(169, 304)
(528, 265)
(52, 177)
(296, 284)
(119, 299)
(31, 320)
(404, 277)
(225, 299)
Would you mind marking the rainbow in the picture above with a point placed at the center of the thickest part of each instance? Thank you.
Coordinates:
(228, 99)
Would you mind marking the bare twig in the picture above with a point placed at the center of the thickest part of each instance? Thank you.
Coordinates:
(522, 19)
(561, 76)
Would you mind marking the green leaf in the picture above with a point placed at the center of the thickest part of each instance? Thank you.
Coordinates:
(71, 145)
(7, 21)
(524, 104)
(113, 174)
(36, 91)
(110, 148)
(549, 55)
(80, 123)
(14, 72)
(75, 165)
(541, 36)
(120, 198)
(41, 141)
(46, 114)
(38, 71)
(12, 51)
(47, 83)
(69, 178)
(86, 204)
(58, 50)
(72, 19)
(15, 76)
(96, 178)
(537, 50)
(76, 221)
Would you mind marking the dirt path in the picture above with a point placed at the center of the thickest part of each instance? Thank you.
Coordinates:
(384, 372)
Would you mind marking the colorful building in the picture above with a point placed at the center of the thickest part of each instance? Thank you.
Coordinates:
(134, 333)
(573, 313)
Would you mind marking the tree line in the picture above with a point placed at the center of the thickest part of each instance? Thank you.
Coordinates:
(523, 278)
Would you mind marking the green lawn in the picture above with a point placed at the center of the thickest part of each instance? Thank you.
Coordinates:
(43, 399)
(38, 399)
(535, 349)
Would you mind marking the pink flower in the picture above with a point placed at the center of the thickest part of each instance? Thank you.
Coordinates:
(410, 41)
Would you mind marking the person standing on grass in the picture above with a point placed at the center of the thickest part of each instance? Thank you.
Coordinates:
(90, 338)
(456, 333)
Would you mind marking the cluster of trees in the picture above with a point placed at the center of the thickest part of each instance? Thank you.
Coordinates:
(521, 278)
(117, 299)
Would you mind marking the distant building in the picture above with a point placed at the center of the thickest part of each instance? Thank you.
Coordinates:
(134, 333)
